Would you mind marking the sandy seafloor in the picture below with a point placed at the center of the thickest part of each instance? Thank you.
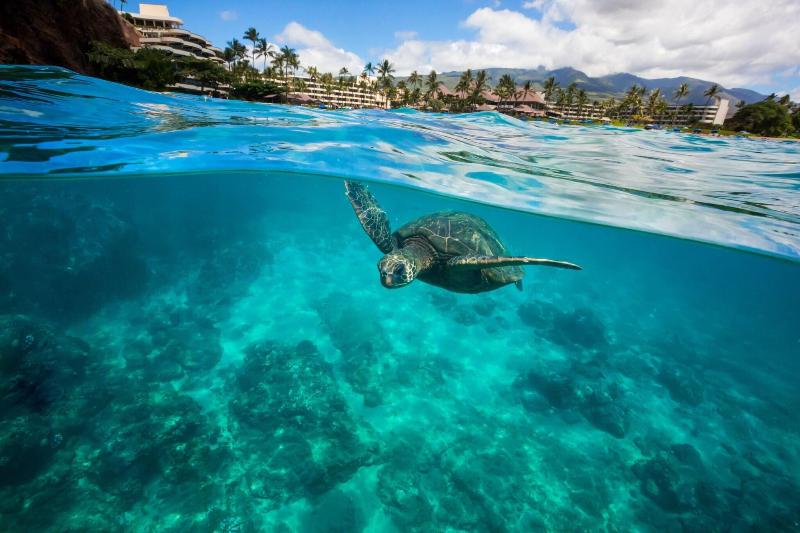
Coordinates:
(215, 353)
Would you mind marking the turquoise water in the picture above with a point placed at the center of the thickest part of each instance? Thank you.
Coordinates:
(194, 337)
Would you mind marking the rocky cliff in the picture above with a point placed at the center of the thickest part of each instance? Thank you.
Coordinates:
(58, 32)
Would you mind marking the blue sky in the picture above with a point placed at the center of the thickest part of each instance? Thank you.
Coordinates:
(748, 43)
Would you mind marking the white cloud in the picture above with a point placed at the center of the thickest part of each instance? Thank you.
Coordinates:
(405, 35)
(315, 49)
(734, 43)
(533, 4)
(228, 15)
(794, 94)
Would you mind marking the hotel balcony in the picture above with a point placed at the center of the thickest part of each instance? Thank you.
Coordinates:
(162, 31)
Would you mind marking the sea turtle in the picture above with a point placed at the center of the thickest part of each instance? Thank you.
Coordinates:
(457, 251)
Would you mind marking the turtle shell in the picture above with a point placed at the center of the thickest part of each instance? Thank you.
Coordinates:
(452, 233)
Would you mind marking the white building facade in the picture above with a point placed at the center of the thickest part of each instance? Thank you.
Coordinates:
(159, 30)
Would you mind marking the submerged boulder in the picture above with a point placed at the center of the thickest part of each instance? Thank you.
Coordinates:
(38, 367)
(578, 328)
(681, 382)
(296, 424)
(599, 402)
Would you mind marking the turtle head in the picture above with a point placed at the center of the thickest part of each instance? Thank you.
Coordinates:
(397, 269)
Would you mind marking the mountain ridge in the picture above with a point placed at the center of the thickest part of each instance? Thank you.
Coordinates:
(615, 85)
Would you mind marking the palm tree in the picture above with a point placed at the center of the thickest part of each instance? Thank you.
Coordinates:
(478, 87)
(582, 98)
(229, 56)
(401, 86)
(572, 89)
(680, 93)
(362, 89)
(264, 49)
(252, 35)
(633, 99)
(506, 88)
(385, 69)
(288, 59)
(661, 108)
(432, 85)
(463, 86)
(327, 83)
(711, 92)
(527, 87)
(312, 72)
(609, 106)
(343, 73)
(785, 100)
(652, 102)
(561, 99)
(415, 79)
(550, 85)
(369, 69)
(235, 47)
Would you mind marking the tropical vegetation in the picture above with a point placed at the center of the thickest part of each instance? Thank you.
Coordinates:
(771, 117)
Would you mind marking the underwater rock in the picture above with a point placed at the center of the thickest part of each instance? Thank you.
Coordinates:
(537, 314)
(659, 482)
(67, 256)
(687, 454)
(407, 506)
(295, 423)
(149, 436)
(599, 402)
(194, 346)
(559, 391)
(681, 383)
(610, 417)
(677, 481)
(26, 447)
(38, 368)
(336, 511)
(578, 328)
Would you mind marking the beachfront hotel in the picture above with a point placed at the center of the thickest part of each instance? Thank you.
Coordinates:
(678, 115)
(349, 95)
(158, 29)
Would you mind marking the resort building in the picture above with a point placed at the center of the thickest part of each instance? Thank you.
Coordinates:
(305, 90)
(158, 29)
(713, 114)
(678, 115)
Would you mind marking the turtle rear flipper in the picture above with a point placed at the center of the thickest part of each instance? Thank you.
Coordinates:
(373, 219)
(473, 262)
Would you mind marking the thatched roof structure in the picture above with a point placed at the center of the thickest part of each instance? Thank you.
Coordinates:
(443, 90)
(527, 110)
(303, 98)
(532, 97)
(489, 96)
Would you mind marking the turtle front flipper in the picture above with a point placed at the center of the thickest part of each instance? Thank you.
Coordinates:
(373, 219)
(471, 262)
